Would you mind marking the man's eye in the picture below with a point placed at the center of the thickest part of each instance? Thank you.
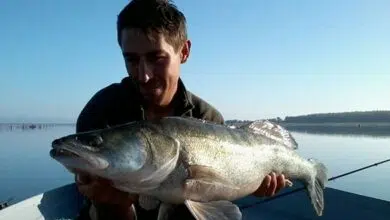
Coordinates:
(131, 59)
(153, 56)
(157, 58)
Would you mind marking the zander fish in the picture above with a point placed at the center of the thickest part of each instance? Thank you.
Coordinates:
(176, 160)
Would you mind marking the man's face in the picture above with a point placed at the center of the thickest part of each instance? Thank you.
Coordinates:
(154, 65)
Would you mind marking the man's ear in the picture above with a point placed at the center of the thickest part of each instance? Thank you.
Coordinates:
(185, 51)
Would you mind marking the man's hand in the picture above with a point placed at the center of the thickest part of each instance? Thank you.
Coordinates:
(99, 190)
(271, 185)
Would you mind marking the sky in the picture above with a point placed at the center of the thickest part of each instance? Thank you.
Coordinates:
(250, 59)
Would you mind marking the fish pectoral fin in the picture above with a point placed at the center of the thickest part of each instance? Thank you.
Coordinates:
(164, 161)
(273, 131)
(215, 210)
(165, 211)
(206, 183)
(148, 202)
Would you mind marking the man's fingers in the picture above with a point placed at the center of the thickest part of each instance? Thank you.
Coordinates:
(281, 183)
(272, 186)
(86, 190)
(289, 183)
(93, 189)
(82, 179)
(266, 183)
(263, 186)
(100, 192)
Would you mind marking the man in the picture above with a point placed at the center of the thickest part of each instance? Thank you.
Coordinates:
(152, 36)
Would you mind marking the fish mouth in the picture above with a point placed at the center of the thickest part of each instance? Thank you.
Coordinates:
(78, 157)
(63, 152)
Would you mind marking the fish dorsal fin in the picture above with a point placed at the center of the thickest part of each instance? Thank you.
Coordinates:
(273, 131)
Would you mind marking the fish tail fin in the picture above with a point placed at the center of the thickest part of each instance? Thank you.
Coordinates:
(316, 186)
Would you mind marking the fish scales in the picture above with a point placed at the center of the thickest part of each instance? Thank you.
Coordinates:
(247, 156)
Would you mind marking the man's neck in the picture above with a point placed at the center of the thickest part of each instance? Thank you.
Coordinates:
(158, 111)
(153, 111)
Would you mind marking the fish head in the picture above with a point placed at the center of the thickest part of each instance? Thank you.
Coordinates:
(107, 152)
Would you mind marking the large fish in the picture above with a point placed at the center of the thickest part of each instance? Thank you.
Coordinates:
(176, 160)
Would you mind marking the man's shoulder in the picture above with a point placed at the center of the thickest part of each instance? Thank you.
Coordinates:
(105, 93)
(108, 93)
(205, 110)
(111, 94)
(100, 108)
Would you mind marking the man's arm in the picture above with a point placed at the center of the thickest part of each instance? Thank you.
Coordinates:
(204, 110)
(106, 200)
(92, 115)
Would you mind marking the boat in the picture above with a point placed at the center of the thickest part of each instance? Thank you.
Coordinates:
(65, 202)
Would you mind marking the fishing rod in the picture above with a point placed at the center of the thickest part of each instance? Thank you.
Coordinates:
(302, 188)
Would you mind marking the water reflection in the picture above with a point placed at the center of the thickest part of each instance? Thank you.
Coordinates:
(368, 130)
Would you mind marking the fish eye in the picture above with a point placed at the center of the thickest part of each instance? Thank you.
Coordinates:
(91, 140)
(96, 141)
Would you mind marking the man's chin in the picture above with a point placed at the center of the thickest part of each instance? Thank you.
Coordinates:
(154, 99)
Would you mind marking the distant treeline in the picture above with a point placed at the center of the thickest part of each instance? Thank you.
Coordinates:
(371, 123)
(351, 129)
(343, 117)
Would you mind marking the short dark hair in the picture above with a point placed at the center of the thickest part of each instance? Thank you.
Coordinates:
(154, 16)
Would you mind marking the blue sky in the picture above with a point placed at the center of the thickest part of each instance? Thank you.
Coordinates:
(251, 59)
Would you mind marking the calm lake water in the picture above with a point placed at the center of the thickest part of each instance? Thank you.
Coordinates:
(26, 168)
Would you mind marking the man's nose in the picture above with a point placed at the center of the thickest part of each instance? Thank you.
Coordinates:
(144, 71)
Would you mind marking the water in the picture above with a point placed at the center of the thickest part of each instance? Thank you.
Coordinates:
(342, 154)
(26, 168)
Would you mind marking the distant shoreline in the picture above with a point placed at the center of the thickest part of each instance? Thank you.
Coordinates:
(372, 123)
(33, 123)
(31, 126)
(361, 123)
(350, 129)
(336, 124)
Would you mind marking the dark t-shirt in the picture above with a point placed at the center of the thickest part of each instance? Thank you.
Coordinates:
(121, 103)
